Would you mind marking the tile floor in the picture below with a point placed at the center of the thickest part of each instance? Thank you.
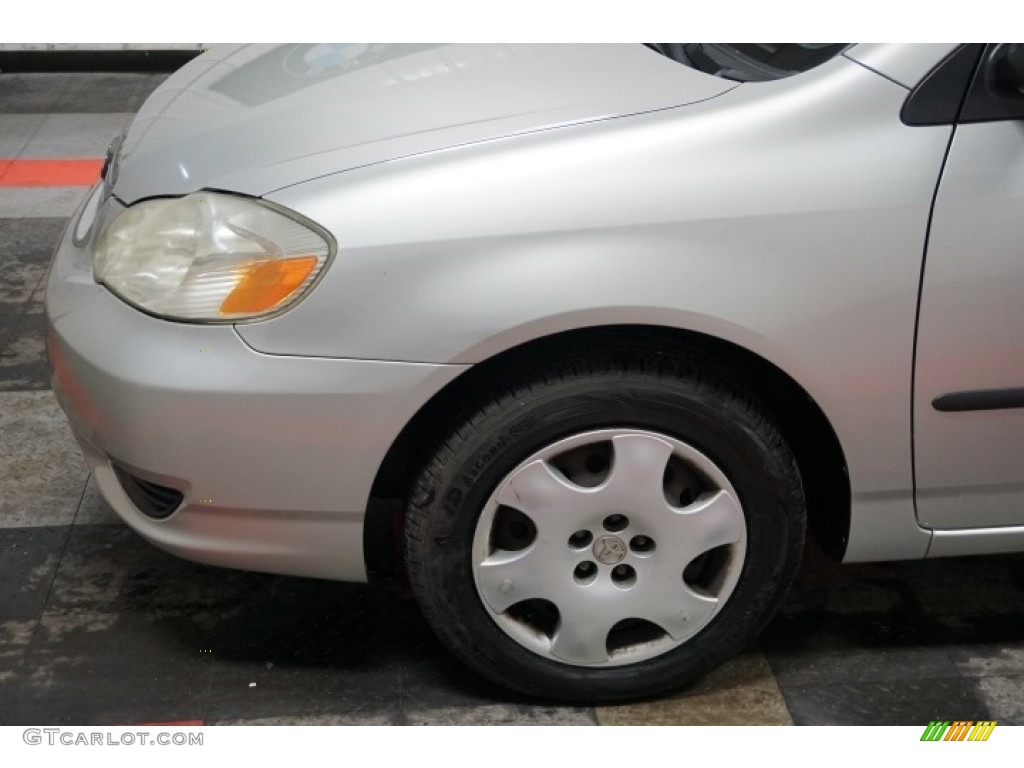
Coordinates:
(98, 627)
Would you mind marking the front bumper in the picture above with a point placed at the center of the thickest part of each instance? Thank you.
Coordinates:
(274, 455)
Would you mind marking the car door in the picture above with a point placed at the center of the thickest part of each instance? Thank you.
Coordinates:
(969, 378)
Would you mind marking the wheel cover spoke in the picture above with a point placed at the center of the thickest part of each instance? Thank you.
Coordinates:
(506, 578)
(582, 635)
(540, 492)
(709, 523)
(681, 613)
(635, 482)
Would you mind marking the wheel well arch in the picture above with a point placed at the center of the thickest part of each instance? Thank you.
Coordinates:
(807, 429)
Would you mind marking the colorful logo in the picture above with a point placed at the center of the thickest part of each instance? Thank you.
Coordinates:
(958, 730)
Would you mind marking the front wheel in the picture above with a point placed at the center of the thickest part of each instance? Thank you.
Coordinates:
(607, 528)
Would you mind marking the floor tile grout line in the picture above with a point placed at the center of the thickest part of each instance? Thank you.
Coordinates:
(778, 683)
(956, 667)
(78, 507)
(21, 147)
(56, 572)
(35, 131)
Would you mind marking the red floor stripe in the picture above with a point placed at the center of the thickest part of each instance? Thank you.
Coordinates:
(63, 172)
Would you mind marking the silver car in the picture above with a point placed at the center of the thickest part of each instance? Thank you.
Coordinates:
(579, 340)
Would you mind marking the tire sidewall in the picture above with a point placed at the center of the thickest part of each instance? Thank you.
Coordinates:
(745, 448)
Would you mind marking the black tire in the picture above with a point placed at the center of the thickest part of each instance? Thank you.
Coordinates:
(625, 385)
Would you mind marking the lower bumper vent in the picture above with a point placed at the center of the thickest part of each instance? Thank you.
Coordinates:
(152, 500)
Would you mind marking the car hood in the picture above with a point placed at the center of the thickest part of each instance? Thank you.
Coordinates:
(254, 119)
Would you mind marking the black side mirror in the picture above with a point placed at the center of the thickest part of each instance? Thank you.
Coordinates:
(1008, 68)
(997, 92)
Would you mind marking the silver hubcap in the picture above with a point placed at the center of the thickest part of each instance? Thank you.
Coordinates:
(609, 547)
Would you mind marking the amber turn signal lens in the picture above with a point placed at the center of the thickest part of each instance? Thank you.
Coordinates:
(267, 284)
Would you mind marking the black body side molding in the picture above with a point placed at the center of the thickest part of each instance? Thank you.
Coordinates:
(980, 400)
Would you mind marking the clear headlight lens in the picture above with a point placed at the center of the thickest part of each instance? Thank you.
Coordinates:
(208, 257)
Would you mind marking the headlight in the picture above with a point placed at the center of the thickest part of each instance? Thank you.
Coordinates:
(209, 257)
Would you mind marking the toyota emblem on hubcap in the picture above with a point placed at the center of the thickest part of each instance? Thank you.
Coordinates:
(609, 550)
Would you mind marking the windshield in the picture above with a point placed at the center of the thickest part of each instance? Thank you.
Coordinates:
(750, 61)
